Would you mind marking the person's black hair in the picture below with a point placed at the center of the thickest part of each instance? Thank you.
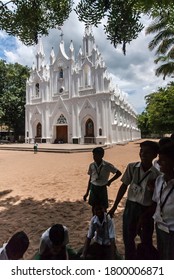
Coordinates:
(172, 137)
(164, 141)
(17, 245)
(56, 234)
(154, 146)
(167, 150)
(99, 151)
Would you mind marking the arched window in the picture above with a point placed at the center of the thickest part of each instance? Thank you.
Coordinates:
(61, 73)
(100, 131)
(39, 130)
(89, 128)
(37, 89)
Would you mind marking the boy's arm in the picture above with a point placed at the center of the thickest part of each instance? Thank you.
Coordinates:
(122, 190)
(87, 191)
(85, 248)
(44, 250)
(116, 176)
(113, 248)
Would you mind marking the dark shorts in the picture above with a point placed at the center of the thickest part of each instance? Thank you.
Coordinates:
(98, 194)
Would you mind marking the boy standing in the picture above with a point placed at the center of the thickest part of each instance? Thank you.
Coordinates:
(137, 217)
(99, 172)
(102, 231)
(164, 197)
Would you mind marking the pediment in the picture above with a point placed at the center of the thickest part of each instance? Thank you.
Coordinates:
(59, 108)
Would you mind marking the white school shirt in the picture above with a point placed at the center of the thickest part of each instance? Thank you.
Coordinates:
(101, 232)
(100, 174)
(159, 196)
(3, 253)
(132, 175)
(45, 240)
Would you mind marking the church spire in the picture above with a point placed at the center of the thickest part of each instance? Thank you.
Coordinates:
(88, 41)
(71, 48)
(39, 54)
(52, 56)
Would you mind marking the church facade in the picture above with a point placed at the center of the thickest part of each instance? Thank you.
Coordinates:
(74, 101)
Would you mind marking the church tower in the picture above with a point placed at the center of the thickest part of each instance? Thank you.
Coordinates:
(39, 55)
(88, 41)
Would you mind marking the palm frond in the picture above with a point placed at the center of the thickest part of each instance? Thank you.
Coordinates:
(166, 69)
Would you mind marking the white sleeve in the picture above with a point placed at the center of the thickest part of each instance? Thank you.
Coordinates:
(66, 236)
(91, 230)
(111, 228)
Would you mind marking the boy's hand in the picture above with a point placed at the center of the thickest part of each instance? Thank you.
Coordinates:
(85, 197)
(82, 257)
(109, 183)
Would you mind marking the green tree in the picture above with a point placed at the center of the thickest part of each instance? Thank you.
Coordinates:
(12, 96)
(122, 18)
(143, 124)
(163, 42)
(160, 110)
(28, 19)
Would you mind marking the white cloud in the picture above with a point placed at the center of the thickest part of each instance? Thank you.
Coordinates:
(21, 54)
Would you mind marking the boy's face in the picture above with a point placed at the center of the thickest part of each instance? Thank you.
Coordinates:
(97, 157)
(99, 211)
(166, 164)
(147, 155)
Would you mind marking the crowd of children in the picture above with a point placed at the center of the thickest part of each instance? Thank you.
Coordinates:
(150, 204)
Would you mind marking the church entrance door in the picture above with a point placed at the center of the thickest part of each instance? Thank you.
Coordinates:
(89, 132)
(62, 134)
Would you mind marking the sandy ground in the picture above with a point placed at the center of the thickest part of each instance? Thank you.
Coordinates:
(39, 190)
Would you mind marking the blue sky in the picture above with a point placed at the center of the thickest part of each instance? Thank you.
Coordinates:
(134, 73)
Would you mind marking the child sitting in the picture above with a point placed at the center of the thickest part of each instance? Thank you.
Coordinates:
(53, 243)
(102, 231)
(15, 248)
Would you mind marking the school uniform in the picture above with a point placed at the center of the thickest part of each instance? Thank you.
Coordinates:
(45, 242)
(139, 199)
(99, 178)
(164, 217)
(102, 234)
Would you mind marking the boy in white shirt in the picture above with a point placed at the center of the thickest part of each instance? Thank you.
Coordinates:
(99, 172)
(164, 197)
(102, 233)
(53, 243)
(139, 178)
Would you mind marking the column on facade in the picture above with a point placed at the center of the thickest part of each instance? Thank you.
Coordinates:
(103, 117)
(26, 124)
(47, 128)
(109, 121)
(97, 124)
(102, 80)
(74, 130)
(115, 117)
(96, 82)
(120, 125)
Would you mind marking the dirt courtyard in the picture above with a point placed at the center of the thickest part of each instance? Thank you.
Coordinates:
(37, 190)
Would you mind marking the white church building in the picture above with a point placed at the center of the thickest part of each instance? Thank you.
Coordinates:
(73, 100)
